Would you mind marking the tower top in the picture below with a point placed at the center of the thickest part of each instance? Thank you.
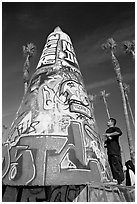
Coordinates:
(57, 29)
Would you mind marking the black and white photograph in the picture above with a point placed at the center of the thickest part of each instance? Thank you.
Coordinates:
(68, 101)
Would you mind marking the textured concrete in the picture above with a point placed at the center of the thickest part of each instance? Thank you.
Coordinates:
(69, 193)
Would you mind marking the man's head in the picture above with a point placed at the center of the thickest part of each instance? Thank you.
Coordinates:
(111, 122)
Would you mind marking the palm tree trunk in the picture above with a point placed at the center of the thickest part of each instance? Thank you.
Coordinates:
(130, 109)
(106, 105)
(26, 73)
(119, 79)
(25, 87)
(27, 63)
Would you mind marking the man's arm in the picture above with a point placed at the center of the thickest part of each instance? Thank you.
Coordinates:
(117, 132)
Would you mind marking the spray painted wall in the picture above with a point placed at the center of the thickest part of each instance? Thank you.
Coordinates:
(69, 193)
(53, 139)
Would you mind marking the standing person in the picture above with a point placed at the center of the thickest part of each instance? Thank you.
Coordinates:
(113, 150)
(129, 168)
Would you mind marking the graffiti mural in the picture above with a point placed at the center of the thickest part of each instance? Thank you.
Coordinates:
(69, 193)
(53, 139)
(50, 51)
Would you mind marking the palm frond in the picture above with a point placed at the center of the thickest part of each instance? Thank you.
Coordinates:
(110, 44)
(29, 49)
(128, 46)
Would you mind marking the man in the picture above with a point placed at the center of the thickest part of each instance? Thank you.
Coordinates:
(113, 150)
(129, 169)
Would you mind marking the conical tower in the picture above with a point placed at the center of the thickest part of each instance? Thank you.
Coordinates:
(53, 139)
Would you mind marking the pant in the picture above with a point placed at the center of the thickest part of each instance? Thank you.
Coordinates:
(115, 163)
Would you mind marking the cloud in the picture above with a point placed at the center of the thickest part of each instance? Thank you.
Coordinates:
(126, 78)
(89, 49)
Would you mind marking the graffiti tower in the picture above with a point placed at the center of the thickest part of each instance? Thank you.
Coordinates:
(54, 140)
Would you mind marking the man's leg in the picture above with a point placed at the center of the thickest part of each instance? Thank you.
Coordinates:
(110, 161)
(121, 169)
(117, 168)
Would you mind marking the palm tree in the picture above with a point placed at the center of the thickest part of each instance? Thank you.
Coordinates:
(129, 47)
(104, 95)
(110, 45)
(29, 50)
(126, 91)
(92, 98)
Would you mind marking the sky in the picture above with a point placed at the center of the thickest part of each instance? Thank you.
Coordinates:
(89, 24)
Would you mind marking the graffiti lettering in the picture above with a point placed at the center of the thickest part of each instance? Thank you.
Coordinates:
(90, 141)
(32, 127)
(78, 108)
(35, 83)
(43, 144)
(5, 159)
(24, 124)
(23, 129)
(49, 53)
(70, 150)
(16, 170)
(69, 51)
(66, 163)
(48, 98)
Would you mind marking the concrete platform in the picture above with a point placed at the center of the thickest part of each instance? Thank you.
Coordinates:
(69, 193)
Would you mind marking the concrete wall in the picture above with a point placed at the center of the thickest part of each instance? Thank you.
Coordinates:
(72, 193)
